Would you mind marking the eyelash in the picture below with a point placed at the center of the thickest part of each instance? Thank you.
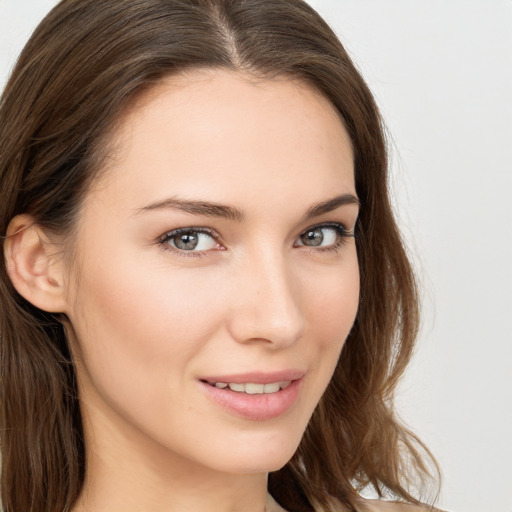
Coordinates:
(164, 240)
(342, 234)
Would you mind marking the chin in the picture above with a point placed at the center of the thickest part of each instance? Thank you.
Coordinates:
(260, 455)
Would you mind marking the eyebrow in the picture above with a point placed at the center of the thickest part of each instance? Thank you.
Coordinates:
(331, 204)
(210, 209)
(205, 208)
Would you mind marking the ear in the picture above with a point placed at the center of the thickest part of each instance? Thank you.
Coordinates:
(35, 265)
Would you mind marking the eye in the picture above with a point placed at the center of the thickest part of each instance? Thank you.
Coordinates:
(326, 236)
(189, 240)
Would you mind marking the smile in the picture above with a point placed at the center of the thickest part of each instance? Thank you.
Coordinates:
(252, 388)
(255, 396)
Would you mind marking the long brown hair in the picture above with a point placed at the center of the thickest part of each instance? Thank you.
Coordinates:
(73, 80)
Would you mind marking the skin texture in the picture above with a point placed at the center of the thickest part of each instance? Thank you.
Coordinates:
(148, 322)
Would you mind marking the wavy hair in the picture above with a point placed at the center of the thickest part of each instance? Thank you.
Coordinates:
(71, 84)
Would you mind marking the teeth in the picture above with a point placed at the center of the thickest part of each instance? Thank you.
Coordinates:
(271, 388)
(253, 389)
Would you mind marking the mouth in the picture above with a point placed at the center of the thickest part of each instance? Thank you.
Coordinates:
(252, 388)
(255, 396)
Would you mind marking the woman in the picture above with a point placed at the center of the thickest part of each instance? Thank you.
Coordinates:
(206, 302)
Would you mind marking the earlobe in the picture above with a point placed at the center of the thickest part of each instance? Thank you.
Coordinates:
(34, 265)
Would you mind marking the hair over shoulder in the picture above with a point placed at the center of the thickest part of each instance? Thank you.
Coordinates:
(71, 84)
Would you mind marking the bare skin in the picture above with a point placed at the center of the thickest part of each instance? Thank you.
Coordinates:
(153, 322)
(216, 250)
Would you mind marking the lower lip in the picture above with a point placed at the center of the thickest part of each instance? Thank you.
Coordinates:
(258, 407)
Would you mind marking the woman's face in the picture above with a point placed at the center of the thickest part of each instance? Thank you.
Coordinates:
(216, 277)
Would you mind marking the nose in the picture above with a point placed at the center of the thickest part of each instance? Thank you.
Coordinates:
(266, 303)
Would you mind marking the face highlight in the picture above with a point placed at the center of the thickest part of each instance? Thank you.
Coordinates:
(218, 275)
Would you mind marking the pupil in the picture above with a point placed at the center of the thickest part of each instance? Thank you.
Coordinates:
(186, 241)
(312, 238)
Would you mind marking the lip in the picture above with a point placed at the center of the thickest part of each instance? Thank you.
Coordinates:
(257, 407)
(257, 377)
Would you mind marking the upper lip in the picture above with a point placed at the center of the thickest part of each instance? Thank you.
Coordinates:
(257, 377)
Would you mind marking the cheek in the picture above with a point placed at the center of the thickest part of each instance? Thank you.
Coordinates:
(333, 302)
(138, 331)
(132, 322)
(331, 308)
(144, 304)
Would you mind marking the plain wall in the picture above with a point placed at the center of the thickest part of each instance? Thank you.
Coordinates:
(442, 75)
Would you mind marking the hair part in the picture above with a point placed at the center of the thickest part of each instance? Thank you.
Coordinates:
(75, 78)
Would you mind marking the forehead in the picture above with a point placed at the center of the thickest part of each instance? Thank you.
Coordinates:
(227, 133)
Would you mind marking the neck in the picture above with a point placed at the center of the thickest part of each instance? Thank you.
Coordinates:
(130, 494)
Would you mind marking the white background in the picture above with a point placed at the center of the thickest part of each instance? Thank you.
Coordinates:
(442, 73)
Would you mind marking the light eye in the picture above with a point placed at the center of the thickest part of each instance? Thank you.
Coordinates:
(322, 236)
(190, 240)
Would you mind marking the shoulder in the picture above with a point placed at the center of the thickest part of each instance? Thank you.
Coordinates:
(395, 506)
